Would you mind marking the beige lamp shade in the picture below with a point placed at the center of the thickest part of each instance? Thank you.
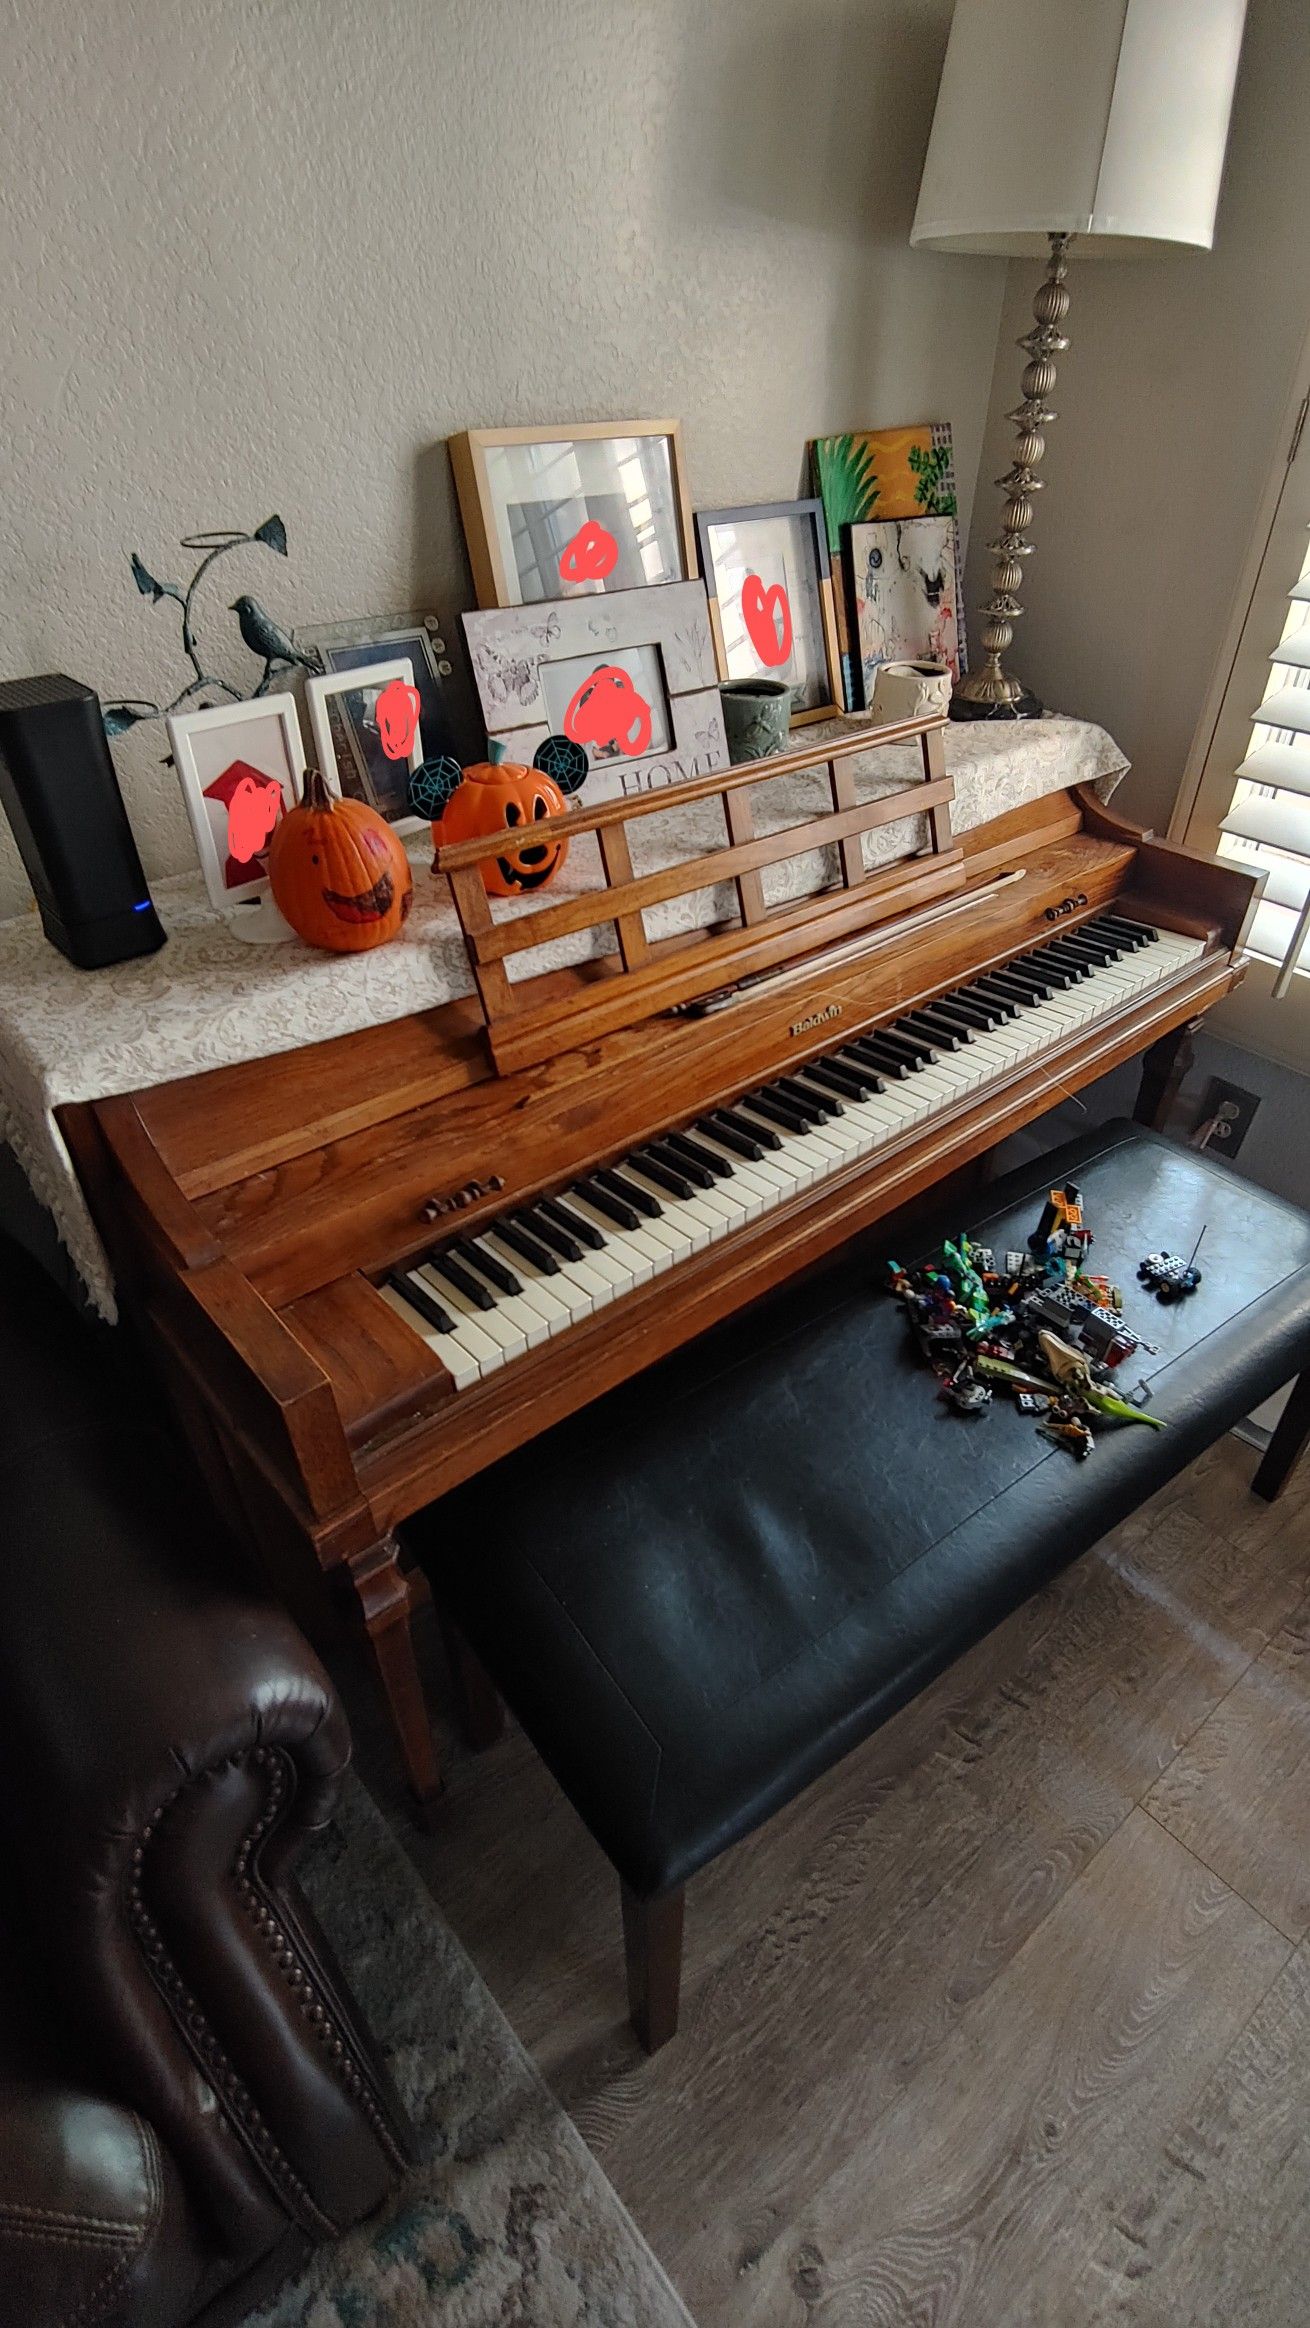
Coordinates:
(1100, 118)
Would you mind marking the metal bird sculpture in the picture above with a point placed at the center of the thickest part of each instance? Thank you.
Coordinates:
(265, 637)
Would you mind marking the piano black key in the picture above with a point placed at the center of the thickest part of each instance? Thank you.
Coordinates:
(1000, 982)
(1126, 933)
(1069, 960)
(465, 1281)
(616, 1208)
(870, 1076)
(527, 1247)
(564, 1217)
(968, 1014)
(753, 1129)
(632, 1192)
(420, 1299)
(780, 1112)
(886, 1045)
(476, 1256)
(876, 1058)
(693, 1174)
(1093, 950)
(916, 1046)
(1052, 972)
(730, 1130)
(562, 1241)
(982, 991)
(832, 1075)
(691, 1152)
(652, 1166)
(938, 1030)
(1033, 980)
(816, 1105)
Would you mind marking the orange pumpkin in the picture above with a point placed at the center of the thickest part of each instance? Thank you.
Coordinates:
(338, 872)
(505, 794)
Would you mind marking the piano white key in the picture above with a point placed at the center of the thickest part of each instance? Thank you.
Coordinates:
(520, 1313)
(681, 1215)
(778, 1178)
(581, 1275)
(486, 1351)
(460, 1363)
(731, 1202)
(804, 1164)
(640, 1249)
(537, 1286)
(619, 1270)
(466, 1313)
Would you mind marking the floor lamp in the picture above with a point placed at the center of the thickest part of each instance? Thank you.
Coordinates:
(1100, 120)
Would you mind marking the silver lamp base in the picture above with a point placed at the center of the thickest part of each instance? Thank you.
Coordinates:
(992, 692)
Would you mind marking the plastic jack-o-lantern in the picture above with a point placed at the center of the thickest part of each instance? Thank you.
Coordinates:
(338, 872)
(500, 795)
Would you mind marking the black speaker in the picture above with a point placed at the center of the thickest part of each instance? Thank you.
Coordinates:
(60, 794)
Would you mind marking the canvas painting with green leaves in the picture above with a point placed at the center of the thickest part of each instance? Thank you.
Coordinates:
(875, 473)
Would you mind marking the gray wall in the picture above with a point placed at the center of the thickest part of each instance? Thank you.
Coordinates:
(1169, 403)
(265, 254)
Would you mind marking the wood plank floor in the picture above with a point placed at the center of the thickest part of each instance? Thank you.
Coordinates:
(1005, 2023)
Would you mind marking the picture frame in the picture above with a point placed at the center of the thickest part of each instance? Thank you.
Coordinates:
(630, 676)
(353, 645)
(879, 473)
(904, 605)
(768, 578)
(587, 509)
(227, 760)
(369, 681)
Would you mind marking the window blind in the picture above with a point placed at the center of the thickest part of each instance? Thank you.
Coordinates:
(1268, 821)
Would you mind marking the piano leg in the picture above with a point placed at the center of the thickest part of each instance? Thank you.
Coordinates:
(386, 1602)
(1290, 1440)
(1163, 1069)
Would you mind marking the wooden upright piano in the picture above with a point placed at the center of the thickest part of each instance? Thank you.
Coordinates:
(373, 1266)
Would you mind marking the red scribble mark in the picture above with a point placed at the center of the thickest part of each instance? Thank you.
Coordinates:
(590, 556)
(254, 803)
(767, 616)
(396, 713)
(608, 713)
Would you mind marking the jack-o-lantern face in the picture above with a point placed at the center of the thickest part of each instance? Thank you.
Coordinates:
(338, 872)
(491, 797)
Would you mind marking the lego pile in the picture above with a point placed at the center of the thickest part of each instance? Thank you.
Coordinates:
(1036, 1324)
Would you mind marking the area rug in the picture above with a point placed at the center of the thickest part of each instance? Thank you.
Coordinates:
(507, 2220)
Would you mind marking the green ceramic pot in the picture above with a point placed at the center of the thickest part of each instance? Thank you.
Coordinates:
(756, 717)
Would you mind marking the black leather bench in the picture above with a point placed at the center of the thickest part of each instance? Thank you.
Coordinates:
(700, 1592)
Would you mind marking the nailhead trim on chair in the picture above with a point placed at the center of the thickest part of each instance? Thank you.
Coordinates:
(330, 2036)
(190, 2017)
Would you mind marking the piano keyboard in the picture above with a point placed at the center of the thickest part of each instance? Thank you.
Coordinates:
(490, 1297)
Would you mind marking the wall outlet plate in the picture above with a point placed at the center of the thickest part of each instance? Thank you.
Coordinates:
(1226, 1115)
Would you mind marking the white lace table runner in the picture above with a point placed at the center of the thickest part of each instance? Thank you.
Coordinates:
(208, 999)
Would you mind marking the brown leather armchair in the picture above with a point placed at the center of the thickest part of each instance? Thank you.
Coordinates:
(188, 2096)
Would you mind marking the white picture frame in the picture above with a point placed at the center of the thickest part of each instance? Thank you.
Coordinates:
(369, 678)
(265, 735)
(517, 653)
(903, 581)
(380, 638)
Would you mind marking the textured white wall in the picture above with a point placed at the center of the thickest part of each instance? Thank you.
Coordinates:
(1169, 402)
(264, 255)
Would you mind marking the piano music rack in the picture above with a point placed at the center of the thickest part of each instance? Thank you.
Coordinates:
(643, 976)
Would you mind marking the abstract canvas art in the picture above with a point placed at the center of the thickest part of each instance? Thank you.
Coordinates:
(903, 573)
(882, 473)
